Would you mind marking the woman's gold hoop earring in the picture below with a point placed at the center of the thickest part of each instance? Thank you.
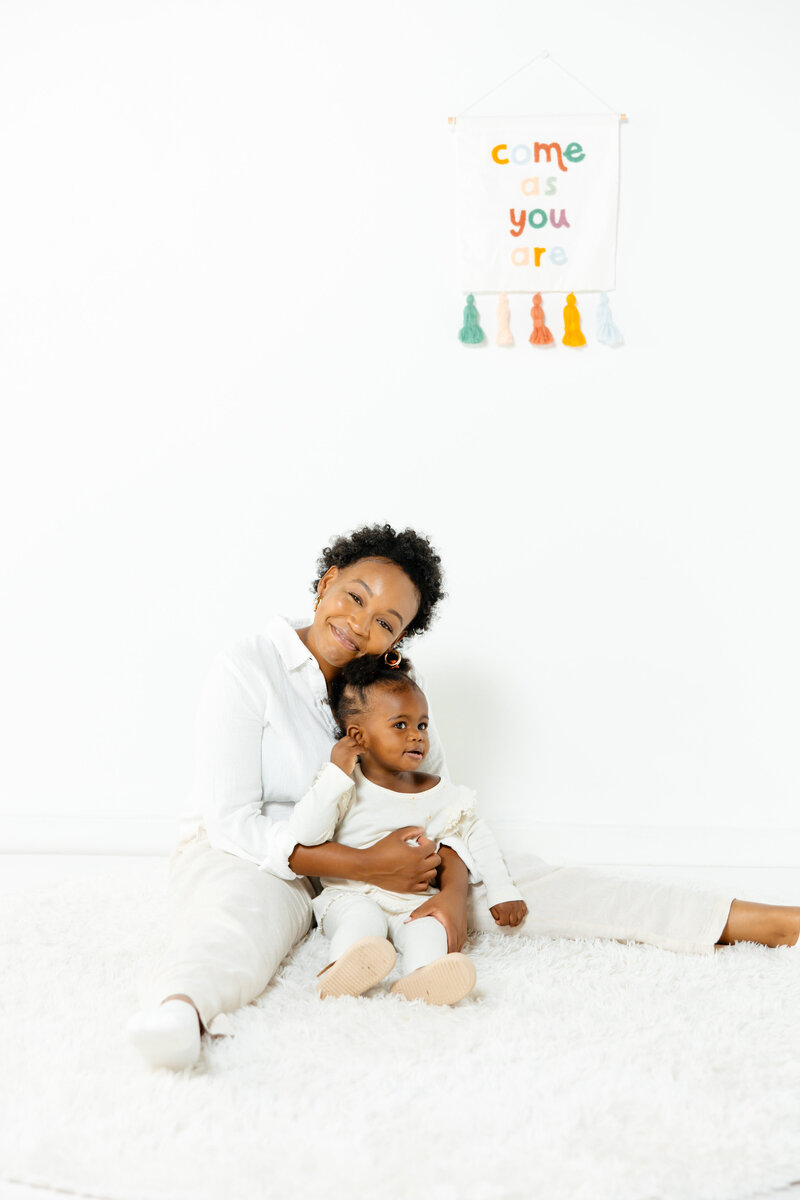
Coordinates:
(316, 604)
(392, 658)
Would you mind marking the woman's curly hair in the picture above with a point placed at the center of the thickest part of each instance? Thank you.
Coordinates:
(409, 550)
(348, 689)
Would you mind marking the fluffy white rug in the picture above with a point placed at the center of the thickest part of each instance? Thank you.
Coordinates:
(577, 1070)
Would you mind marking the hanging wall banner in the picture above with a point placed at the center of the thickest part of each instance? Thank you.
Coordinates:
(538, 201)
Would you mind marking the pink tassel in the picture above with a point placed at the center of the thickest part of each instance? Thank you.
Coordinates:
(504, 336)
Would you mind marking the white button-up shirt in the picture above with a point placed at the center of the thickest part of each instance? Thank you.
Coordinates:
(264, 730)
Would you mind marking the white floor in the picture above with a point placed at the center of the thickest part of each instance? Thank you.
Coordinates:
(20, 872)
(13, 1191)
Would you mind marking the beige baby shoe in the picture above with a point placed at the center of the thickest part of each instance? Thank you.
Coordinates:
(445, 981)
(360, 967)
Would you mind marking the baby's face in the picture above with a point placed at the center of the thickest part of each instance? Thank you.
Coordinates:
(395, 727)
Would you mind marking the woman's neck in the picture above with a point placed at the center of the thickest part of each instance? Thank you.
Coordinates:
(307, 638)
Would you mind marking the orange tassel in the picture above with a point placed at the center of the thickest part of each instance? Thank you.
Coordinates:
(572, 323)
(541, 335)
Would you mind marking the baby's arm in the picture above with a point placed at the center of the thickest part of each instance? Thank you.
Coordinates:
(505, 899)
(315, 816)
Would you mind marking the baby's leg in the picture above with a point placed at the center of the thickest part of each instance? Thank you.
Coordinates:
(350, 918)
(420, 942)
(361, 955)
(431, 974)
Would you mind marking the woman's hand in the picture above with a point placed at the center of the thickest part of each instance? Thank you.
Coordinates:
(450, 906)
(396, 866)
(345, 754)
(510, 912)
(449, 909)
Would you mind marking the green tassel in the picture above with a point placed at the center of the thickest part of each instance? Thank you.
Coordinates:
(471, 333)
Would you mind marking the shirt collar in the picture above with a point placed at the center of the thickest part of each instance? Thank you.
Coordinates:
(283, 632)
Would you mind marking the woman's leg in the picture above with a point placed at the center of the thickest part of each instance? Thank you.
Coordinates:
(768, 924)
(586, 902)
(230, 925)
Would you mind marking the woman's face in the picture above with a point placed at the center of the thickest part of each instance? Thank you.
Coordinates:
(363, 609)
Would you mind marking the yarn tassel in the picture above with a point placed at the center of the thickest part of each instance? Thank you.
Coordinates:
(572, 323)
(607, 331)
(471, 333)
(541, 335)
(504, 336)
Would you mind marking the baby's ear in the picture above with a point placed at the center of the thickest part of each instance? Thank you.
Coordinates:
(357, 733)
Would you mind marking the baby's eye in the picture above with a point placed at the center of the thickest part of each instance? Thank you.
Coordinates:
(357, 598)
(422, 725)
(399, 724)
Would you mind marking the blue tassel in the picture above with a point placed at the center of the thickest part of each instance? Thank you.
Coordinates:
(607, 331)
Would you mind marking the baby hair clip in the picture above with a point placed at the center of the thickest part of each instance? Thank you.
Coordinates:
(392, 658)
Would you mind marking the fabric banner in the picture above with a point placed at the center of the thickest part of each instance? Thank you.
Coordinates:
(538, 200)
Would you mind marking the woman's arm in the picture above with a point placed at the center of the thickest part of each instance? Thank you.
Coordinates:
(227, 783)
(450, 905)
(228, 791)
(391, 863)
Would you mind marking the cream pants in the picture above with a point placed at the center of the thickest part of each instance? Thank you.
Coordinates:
(230, 924)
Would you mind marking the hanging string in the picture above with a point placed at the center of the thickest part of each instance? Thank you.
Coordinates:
(524, 67)
(513, 75)
(583, 85)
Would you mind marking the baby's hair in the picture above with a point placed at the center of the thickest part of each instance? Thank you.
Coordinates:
(350, 687)
(409, 550)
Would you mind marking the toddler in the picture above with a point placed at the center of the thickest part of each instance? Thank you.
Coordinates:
(371, 787)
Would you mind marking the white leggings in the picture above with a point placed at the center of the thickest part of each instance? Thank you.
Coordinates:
(352, 916)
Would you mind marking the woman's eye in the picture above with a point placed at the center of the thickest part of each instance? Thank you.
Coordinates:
(386, 626)
(357, 598)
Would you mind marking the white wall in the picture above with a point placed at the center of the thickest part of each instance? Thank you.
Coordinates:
(228, 318)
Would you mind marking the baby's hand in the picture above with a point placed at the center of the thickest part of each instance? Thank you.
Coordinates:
(345, 754)
(511, 912)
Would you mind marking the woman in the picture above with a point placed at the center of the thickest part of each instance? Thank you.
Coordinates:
(264, 729)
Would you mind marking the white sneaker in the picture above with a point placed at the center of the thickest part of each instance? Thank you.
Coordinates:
(167, 1036)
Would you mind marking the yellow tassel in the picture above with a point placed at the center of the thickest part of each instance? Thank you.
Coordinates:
(572, 323)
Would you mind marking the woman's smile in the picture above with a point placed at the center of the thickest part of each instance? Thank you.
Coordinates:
(344, 639)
